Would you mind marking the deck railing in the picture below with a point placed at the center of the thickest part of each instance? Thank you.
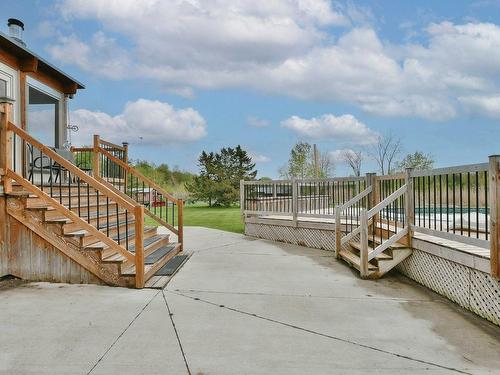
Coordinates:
(453, 202)
(459, 203)
(118, 175)
(298, 198)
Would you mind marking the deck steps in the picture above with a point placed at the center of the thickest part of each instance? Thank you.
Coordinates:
(382, 262)
(355, 260)
(106, 216)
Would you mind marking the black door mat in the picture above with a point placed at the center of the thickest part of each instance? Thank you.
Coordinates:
(172, 265)
(160, 253)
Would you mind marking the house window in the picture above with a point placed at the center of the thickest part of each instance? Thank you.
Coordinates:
(43, 115)
(3, 88)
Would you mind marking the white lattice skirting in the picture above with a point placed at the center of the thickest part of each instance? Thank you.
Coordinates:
(472, 289)
(315, 238)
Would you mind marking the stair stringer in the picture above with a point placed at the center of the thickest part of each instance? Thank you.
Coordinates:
(89, 261)
(384, 266)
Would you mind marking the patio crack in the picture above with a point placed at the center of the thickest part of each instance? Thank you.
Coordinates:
(336, 338)
(361, 298)
(122, 333)
(171, 315)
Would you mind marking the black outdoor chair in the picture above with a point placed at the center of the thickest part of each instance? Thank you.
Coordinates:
(44, 163)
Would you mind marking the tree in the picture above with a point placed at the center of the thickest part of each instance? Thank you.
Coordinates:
(220, 173)
(203, 186)
(353, 160)
(326, 166)
(385, 151)
(301, 163)
(417, 160)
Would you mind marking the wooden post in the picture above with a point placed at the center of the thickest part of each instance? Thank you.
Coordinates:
(295, 206)
(242, 197)
(180, 225)
(125, 160)
(95, 161)
(338, 232)
(5, 145)
(494, 198)
(371, 179)
(409, 206)
(363, 253)
(139, 246)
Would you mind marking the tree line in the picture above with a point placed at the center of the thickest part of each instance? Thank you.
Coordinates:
(306, 162)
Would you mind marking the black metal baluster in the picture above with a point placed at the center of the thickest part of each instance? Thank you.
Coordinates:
(434, 189)
(468, 203)
(126, 229)
(118, 224)
(453, 207)
(486, 208)
(477, 204)
(461, 204)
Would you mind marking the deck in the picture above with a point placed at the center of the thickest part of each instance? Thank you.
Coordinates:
(452, 244)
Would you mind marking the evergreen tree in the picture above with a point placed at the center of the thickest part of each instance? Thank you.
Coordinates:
(220, 174)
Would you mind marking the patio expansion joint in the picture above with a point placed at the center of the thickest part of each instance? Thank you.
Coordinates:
(367, 298)
(328, 336)
(171, 316)
(122, 333)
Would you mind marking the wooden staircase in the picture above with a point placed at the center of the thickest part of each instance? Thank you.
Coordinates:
(94, 219)
(380, 237)
(381, 263)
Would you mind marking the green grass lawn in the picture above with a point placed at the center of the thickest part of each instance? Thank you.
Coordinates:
(228, 219)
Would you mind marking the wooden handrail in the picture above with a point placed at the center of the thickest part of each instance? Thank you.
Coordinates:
(107, 143)
(70, 215)
(71, 167)
(355, 199)
(391, 198)
(81, 149)
(139, 175)
(179, 230)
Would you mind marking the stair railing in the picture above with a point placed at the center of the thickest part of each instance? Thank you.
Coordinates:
(354, 208)
(42, 165)
(127, 181)
(383, 218)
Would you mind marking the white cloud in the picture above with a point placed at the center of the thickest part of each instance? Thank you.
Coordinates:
(257, 122)
(143, 121)
(342, 128)
(483, 104)
(259, 158)
(287, 48)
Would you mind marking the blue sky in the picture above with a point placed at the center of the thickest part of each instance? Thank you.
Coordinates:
(177, 77)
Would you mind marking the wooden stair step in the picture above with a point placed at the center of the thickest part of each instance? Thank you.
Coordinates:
(150, 269)
(355, 260)
(148, 231)
(159, 253)
(357, 246)
(378, 240)
(150, 241)
(130, 271)
(115, 258)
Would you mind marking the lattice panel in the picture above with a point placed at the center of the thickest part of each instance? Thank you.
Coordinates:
(315, 238)
(471, 289)
(485, 296)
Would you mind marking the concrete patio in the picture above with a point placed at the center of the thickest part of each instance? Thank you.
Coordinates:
(244, 306)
